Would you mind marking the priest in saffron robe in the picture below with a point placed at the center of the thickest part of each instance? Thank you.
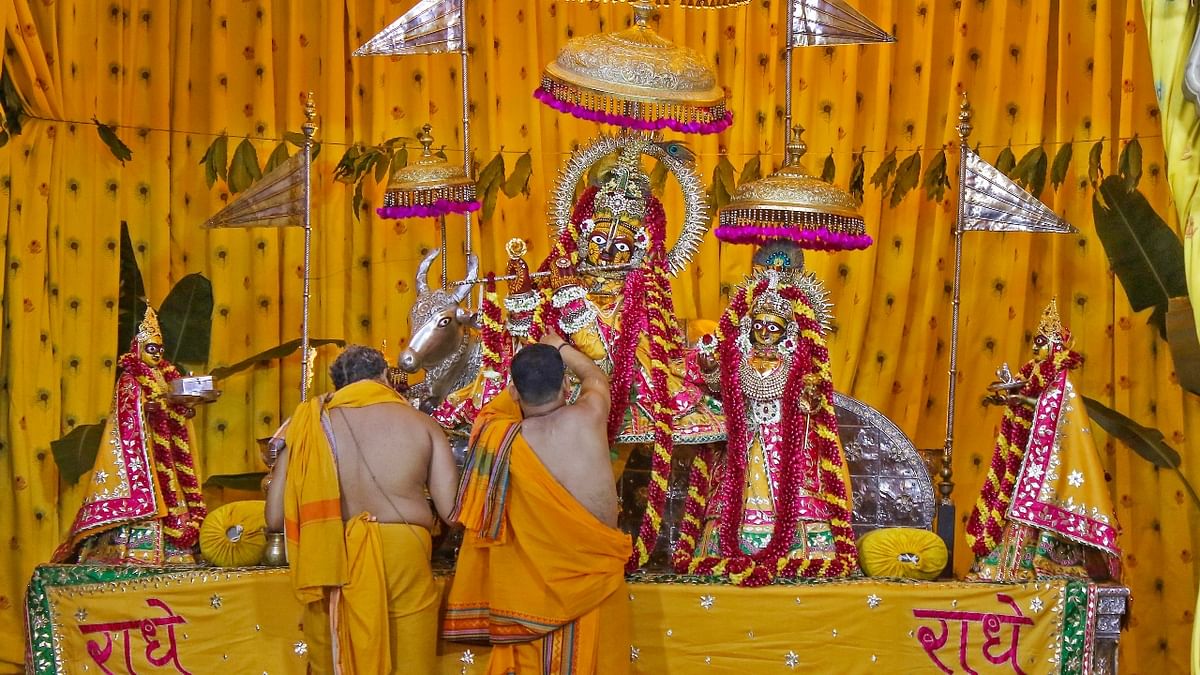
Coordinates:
(541, 570)
(370, 604)
(1045, 509)
(143, 504)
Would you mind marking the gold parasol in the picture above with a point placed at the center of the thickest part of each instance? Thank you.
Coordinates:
(429, 187)
(638, 79)
(791, 204)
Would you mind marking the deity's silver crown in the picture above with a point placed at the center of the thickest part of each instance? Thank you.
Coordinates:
(626, 187)
(769, 301)
(809, 286)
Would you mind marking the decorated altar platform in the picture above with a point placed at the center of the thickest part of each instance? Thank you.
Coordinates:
(245, 620)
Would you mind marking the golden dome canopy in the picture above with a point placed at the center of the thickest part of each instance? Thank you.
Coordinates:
(637, 79)
(792, 204)
(429, 186)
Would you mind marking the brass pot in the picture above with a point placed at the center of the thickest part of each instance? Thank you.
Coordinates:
(275, 554)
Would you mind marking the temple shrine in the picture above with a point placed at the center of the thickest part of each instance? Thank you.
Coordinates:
(803, 240)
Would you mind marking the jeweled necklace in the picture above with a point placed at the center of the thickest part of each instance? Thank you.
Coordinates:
(764, 386)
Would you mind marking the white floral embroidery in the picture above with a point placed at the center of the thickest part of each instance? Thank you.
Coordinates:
(1075, 478)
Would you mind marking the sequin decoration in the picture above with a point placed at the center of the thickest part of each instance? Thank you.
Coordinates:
(468, 657)
(301, 648)
(791, 660)
(706, 601)
(873, 601)
(215, 601)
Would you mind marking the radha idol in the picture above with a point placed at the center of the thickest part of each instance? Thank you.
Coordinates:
(779, 501)
(143, 504)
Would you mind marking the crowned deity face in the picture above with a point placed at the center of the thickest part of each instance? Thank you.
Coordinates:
(1043, 347)
(612, 241)
(767, 329)
(151, 353)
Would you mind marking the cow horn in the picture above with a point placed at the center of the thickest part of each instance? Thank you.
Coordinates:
(463, 291)
(423, 272)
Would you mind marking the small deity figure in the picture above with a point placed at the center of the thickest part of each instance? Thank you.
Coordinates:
(779, 502)
(1045, 508)
(502, 333)
(143, 504)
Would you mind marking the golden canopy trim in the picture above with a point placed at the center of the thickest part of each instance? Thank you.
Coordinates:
(690, 4)
(791, 204)
(428, 187)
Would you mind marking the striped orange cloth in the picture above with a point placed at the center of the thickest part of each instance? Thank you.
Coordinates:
(537, 573)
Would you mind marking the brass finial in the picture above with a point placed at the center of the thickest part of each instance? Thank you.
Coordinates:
(425, 138)
(795, 148)
(309, 128)
(642, 9)
(964, 119)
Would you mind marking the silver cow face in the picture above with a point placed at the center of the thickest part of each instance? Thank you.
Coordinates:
(439, 324)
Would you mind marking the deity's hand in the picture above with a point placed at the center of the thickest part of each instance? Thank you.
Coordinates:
(811, 395)
(562, 273)
(522, 282)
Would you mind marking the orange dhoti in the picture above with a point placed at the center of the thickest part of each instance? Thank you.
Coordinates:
(538, 577)
(365, 584)
(386, 615)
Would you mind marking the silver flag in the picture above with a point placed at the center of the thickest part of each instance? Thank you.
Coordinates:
(992, 202)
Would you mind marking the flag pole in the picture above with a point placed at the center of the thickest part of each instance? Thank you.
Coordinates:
(466, 137)
(945, 509)
(964, 131)
(309, 128)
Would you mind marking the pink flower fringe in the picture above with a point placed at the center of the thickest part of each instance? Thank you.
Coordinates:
(441, 207)
(632, 122)
(820, 239)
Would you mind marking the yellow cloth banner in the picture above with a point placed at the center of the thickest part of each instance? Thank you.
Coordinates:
(245, 621)
(865, 626)
(127, 620)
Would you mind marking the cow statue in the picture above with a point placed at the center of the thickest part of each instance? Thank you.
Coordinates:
(444, 341)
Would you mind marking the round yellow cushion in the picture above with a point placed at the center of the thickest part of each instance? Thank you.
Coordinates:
(234, 535)
(902, 552)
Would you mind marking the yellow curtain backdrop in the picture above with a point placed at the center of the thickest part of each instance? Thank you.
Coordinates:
(174, 75)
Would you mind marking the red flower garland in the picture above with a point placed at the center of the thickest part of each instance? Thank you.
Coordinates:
(985, 525)
(170, 447)
(646, 307)
(811, 358)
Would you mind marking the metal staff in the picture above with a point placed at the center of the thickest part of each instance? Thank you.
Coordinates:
(309, 128)
(466, 135)
(964, 130)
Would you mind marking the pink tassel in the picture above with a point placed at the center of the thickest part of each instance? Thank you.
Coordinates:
(441, 207)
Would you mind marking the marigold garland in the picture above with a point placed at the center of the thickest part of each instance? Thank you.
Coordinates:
(811, 359)
(646, 309)
(168, 437)
(985, 525)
